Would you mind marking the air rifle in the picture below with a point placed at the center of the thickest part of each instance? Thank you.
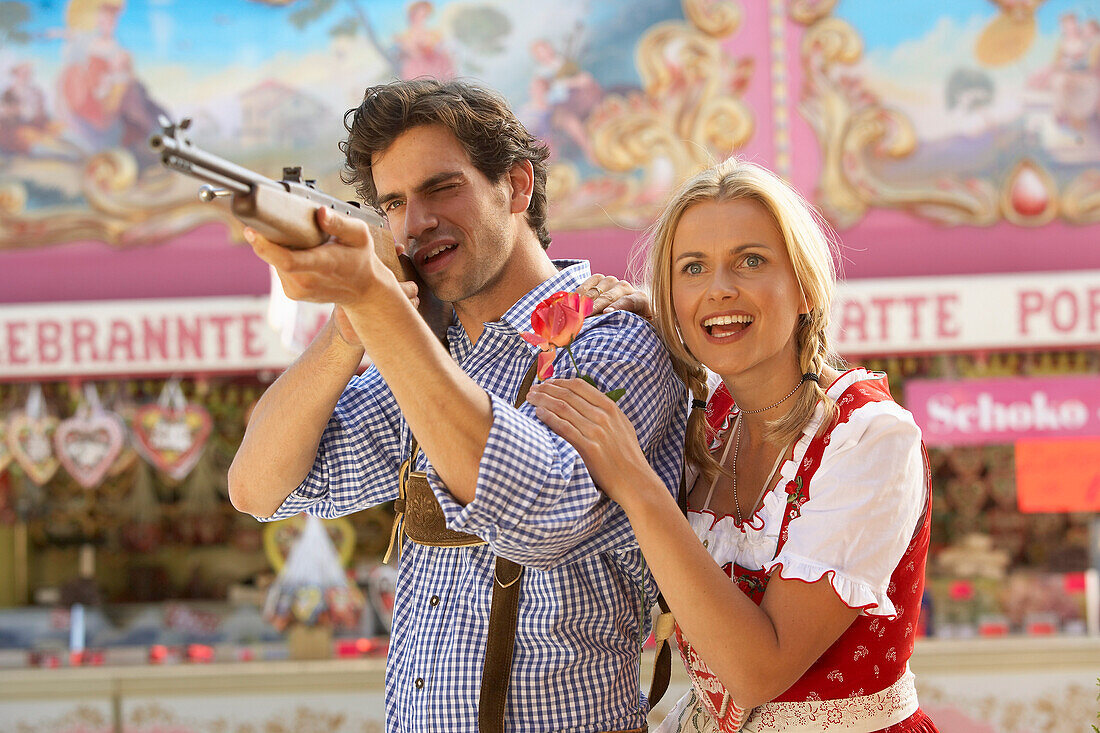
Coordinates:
(285, 211)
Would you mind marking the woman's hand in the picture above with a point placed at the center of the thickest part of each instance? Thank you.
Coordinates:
(597, 429)
(609, 293)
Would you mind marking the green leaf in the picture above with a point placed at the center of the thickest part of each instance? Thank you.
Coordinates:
(590, 380)
(616, 394)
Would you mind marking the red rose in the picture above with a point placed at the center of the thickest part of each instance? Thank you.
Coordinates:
(556, 321)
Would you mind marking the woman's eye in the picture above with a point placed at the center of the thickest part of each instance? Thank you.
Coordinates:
(754, 261)
(693, 268)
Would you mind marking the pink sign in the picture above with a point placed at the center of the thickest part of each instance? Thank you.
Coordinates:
(984, 411)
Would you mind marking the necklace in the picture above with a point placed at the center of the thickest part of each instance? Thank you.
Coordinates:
(777, 404)
(736, 447)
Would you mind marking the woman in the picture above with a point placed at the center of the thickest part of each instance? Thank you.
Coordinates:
(807, 486)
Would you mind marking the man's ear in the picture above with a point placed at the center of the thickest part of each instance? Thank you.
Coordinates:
(521, 180)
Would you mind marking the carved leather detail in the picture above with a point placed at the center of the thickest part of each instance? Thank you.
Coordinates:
(424, 520)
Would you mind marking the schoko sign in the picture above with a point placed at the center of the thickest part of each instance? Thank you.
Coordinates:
(982, 411)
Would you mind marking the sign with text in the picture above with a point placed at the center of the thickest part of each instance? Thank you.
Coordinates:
(999, 411)
(141, 337)
(1058, 475)
(870, 317)
(936, 314)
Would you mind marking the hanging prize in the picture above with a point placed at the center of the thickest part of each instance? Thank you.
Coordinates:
(171, 433)
(124, 409)
(88, 443)
(5, 453)
(28, 437)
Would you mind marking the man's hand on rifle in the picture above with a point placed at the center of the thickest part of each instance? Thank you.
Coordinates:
(340, 271)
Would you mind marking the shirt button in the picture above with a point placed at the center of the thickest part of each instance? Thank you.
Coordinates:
(433, 601)
(419, 683)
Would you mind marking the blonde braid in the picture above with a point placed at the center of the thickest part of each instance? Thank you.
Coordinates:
(813, 357)
(697, 441)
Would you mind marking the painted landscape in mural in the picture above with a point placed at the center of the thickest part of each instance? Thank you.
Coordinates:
(266, 84)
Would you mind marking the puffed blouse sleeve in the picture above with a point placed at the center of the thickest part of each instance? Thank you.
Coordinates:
(862, 510)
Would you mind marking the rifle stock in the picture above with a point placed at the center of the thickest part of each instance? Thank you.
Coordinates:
(285, 211)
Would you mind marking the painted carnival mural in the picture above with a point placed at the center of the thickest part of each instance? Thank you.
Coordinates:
(630, 94)
(965, 112)
(970, 112)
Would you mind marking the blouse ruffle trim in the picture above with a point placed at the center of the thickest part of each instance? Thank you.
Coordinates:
(852, 593)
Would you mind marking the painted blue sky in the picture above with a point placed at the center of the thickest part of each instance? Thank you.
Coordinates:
(203, 31)
(206, 33)
(886, 24)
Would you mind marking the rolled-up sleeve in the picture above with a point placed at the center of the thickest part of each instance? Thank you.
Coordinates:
(535, 501)
(358, 457)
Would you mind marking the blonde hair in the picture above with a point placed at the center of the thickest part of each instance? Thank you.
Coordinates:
(81, 14)
(812, 249)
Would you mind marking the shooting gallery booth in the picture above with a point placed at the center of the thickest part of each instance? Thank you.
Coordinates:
(128, 576)
(135, 590)
(136, 328)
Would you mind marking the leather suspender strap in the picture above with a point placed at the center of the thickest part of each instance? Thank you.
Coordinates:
(666, 624)
(496, 672)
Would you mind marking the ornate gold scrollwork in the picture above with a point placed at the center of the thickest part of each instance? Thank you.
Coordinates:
(124, 206)
(806, 12)
(686, 115)
(1080, 202)
(716, 19)
(854, 127)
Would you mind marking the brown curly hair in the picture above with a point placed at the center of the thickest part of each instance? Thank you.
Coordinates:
(481, 120)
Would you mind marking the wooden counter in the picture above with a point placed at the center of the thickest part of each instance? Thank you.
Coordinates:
(1009, 685)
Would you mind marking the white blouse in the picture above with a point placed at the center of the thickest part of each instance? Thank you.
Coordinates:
(864, 503)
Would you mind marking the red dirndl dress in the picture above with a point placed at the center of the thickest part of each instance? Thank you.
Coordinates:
(862, 682)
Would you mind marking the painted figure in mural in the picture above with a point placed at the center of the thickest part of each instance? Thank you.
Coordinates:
(103, 102)
(564, 93)
(796, 576)
(1070, 84)
(420, 49)
(462, 184)
(1076, 72)
(26, 126)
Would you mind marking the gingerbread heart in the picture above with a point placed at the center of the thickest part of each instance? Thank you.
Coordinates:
(29, 440)
(5, 454)
(88, 444)
(171, 439)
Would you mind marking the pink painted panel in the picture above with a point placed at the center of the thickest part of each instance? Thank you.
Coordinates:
(202, 262)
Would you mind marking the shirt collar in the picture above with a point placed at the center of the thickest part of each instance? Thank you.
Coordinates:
(571, 273)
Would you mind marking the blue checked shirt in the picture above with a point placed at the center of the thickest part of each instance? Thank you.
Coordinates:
(586, 595)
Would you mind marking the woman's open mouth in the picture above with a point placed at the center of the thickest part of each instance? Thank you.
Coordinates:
(726, 326)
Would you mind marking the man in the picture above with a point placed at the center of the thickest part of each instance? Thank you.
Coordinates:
(462, 185)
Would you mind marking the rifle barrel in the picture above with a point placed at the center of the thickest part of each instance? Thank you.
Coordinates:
(169, 147)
